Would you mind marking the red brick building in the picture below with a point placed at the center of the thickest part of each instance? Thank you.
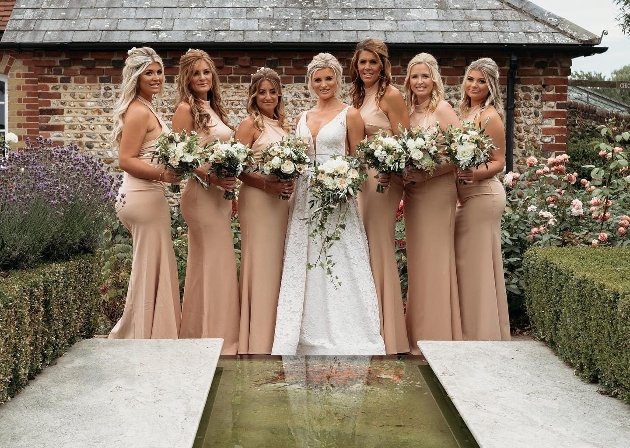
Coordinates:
(61, 63)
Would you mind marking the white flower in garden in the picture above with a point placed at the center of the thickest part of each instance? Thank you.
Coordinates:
(509, 179)
(10, 137)
(576, 208)
(532, 208)
(465, 153)
(546, 215)
(287, 167)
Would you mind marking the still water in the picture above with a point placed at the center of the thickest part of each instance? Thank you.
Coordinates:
(314, 401)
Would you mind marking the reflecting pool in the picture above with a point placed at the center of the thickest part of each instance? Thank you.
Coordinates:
(316, 401)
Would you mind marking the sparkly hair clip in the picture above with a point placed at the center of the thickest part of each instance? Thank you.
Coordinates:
(192, 49)
(131, 50)
(258, 71)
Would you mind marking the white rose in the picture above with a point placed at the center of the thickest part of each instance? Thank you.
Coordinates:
(465, 153)
(10, 137)
(276, 162)
(411, 144)
(420, 142)
(416, 154)
(342, 184)
(287, 167)
(353, 174)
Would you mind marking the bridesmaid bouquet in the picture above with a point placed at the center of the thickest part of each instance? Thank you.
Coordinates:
(285, 159)
(332, 183)
(468, 146)
(383, 153)
(422, 148)
(229, 159)
(180, 152)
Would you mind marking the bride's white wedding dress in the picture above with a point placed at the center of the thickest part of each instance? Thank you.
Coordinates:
(314, 317)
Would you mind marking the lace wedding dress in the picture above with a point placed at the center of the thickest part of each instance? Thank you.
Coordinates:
(315, 316)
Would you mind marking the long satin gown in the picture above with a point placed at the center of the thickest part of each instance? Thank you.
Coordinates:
(152, 309)
(316, 316)
(211, 303)
(263, 217)
(481, 284)
(378, 211)
(429, 212)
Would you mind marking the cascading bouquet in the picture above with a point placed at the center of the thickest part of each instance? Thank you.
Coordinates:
(181, 152)
(286, 159)
(332, 183)
(422, 147)
(229, 159)
(383, 153)
(468, 146)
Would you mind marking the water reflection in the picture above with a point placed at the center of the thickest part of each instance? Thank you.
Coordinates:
(317, 401)
(325, 397)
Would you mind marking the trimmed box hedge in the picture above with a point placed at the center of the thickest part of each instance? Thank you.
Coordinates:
(43, 311)
(578, 301)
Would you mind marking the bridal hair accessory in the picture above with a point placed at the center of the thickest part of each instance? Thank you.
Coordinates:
(258, 71)
(131, 51)
(192, 49)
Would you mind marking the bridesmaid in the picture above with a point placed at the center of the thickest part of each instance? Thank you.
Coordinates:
(382, 107)
(482, 296)
(152, 307)
(432, 302)
(211, 305)
(263, 216)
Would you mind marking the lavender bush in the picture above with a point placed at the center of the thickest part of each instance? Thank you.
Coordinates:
(54, 203)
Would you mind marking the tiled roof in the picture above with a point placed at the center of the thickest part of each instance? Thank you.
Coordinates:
(290, 21)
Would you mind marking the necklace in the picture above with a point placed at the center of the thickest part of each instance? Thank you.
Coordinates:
(145, 102)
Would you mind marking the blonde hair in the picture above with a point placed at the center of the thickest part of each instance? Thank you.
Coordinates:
(321, 61)
(490, 71)
(137, 61)
(201, 117)
(437, 93)
(357, 90)
(279, 113)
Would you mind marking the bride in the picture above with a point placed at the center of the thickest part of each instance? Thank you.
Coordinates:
(315, 316)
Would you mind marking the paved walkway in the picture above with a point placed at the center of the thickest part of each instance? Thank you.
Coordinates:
(115, 393)
(519, 394)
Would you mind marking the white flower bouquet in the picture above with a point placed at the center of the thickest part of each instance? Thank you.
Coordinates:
(332, 183)
(383, 153)
(422, 148)
(229, 159)
(468, 146)
(286, 159)
(180, 152)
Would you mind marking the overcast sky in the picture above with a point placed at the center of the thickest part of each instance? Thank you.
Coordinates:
(594, 16)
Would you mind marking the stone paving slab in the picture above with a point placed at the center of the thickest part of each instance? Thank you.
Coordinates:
(519, 394)
(115, 393)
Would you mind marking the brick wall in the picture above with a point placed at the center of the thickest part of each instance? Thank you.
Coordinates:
(69, 95)
(584, 115)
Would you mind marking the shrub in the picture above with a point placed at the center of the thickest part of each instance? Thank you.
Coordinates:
(43, 311)
(548, 206)
(54, 203)
(578, 300)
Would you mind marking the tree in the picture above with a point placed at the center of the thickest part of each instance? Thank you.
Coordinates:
(621, 74)
(624, 15)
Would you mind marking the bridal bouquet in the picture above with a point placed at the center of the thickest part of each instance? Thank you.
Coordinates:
(383, 153)
(422, 148)
(468, 146)
(180, 152)
(332, 183)
(285, 159)
(229, 159)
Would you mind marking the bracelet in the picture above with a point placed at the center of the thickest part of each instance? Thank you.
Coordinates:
(161, 176)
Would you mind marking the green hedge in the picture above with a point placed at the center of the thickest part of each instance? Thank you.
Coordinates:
(43, 311)
(578, 301)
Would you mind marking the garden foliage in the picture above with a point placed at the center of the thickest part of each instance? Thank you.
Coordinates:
(578, 300)
(43, 311)
(547, 205)
(54, 203)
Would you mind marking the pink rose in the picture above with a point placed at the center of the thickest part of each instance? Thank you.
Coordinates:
(618, 150)
(572, 178)
(531, 161)
(621, 231)
(539, 172)
(603, 237)
(603, 153)
(594, 243)
(545, 170)
(596, 201)
(625, 218)
(584, 182)
(624, 222)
